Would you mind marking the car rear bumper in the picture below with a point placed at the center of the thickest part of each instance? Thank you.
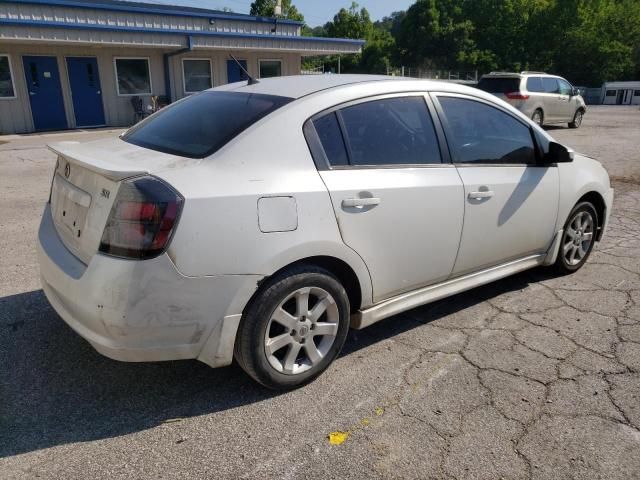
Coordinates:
(142, 310)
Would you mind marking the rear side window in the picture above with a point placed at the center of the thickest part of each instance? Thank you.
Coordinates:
(481, 134)
(330, 136)
(550, 85)
(393, 131)
(203, 123)
(499, 85)
(534, 84)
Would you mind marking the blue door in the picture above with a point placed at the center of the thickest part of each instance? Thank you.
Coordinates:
(85, 91)
(234, 72)
(45, 93)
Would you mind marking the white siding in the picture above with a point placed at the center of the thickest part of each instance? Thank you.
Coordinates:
(88, 16)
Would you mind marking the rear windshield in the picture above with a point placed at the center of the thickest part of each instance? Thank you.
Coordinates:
(499, 85)
(203, 123)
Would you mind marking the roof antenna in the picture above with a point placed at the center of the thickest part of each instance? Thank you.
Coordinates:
(251, 80)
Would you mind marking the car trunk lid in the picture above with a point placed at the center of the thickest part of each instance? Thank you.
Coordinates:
(85, 184)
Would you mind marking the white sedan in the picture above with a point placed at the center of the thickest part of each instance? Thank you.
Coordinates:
(260, 221)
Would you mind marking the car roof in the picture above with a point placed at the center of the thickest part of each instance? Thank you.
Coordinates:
(302, 85)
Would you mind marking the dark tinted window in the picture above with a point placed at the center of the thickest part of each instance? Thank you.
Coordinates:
(636, 93)
(331, 139)
(201, 124)
(565, 87)
(483, 134)
(499, 85)
(611, 93)
(534, 84)
(550, 85)
(394, 131)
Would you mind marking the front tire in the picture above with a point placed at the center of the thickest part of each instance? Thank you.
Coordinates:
(578, 238)
(293, 328)
(577, 119)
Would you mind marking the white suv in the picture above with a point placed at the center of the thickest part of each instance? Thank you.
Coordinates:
(262, 221)
(543, 98)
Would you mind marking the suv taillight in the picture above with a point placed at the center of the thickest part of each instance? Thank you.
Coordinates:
(142, 219)
(516, 96)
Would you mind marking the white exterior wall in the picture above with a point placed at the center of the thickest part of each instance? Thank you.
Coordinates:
(37, 29)
(15, 113)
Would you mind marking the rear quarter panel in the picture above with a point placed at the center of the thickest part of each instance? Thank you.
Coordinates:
(219, 231)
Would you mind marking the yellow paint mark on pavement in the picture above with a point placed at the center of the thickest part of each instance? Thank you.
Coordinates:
(338, 438)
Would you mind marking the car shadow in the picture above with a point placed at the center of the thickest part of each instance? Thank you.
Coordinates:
(55, 389)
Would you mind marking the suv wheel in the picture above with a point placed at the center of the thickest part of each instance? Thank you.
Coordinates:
(577, 119)
(578, 238)
(537, 117)
(294, 328)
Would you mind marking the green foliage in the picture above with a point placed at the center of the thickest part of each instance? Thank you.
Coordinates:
(587, 41)
(266, 8)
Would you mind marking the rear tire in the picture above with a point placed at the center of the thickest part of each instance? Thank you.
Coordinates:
(294, 328)
(577, 119)
(578, 238)
(538, 117)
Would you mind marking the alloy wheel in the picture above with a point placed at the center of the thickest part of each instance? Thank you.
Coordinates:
(578, 238)
(301, 330)
(577, 121)
(537, 117)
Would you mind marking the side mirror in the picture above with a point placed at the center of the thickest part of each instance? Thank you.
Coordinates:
(574, 92)
(558, 154)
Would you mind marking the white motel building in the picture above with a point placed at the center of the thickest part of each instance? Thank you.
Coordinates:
(80, 63)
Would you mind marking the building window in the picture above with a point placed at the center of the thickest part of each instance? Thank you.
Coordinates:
(133, 76)
(196, 74)
(270, 68)
(611, 93)
(6, 78)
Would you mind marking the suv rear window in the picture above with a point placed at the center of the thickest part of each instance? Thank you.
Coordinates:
(499, 84)
(203, 123)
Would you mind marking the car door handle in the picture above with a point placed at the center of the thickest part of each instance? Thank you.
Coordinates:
(480, 195)
(360, 202)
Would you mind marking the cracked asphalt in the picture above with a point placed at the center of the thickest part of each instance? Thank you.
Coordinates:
(530, 377)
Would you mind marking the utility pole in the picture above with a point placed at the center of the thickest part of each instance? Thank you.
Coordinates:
(339, 66)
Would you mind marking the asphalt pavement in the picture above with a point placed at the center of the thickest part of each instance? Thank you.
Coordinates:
(530, 377)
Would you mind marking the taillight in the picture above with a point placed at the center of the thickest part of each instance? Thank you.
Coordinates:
(516, 96)
(142, 219)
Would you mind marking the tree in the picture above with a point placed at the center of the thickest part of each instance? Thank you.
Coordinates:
(266, 8)
(351, 23)
(436, 34)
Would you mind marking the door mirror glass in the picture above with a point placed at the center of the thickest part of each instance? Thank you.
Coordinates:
(558, 154)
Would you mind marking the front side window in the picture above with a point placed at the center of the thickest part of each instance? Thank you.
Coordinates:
(270, 68)
(197, 75)
(534, 84)
(393, 131)
(565, 87)
(201, 124)
(6, 79)
(550, 85)
(133, 77)
(481, 134)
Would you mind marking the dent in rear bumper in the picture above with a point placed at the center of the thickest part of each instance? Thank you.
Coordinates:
(141, 310)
